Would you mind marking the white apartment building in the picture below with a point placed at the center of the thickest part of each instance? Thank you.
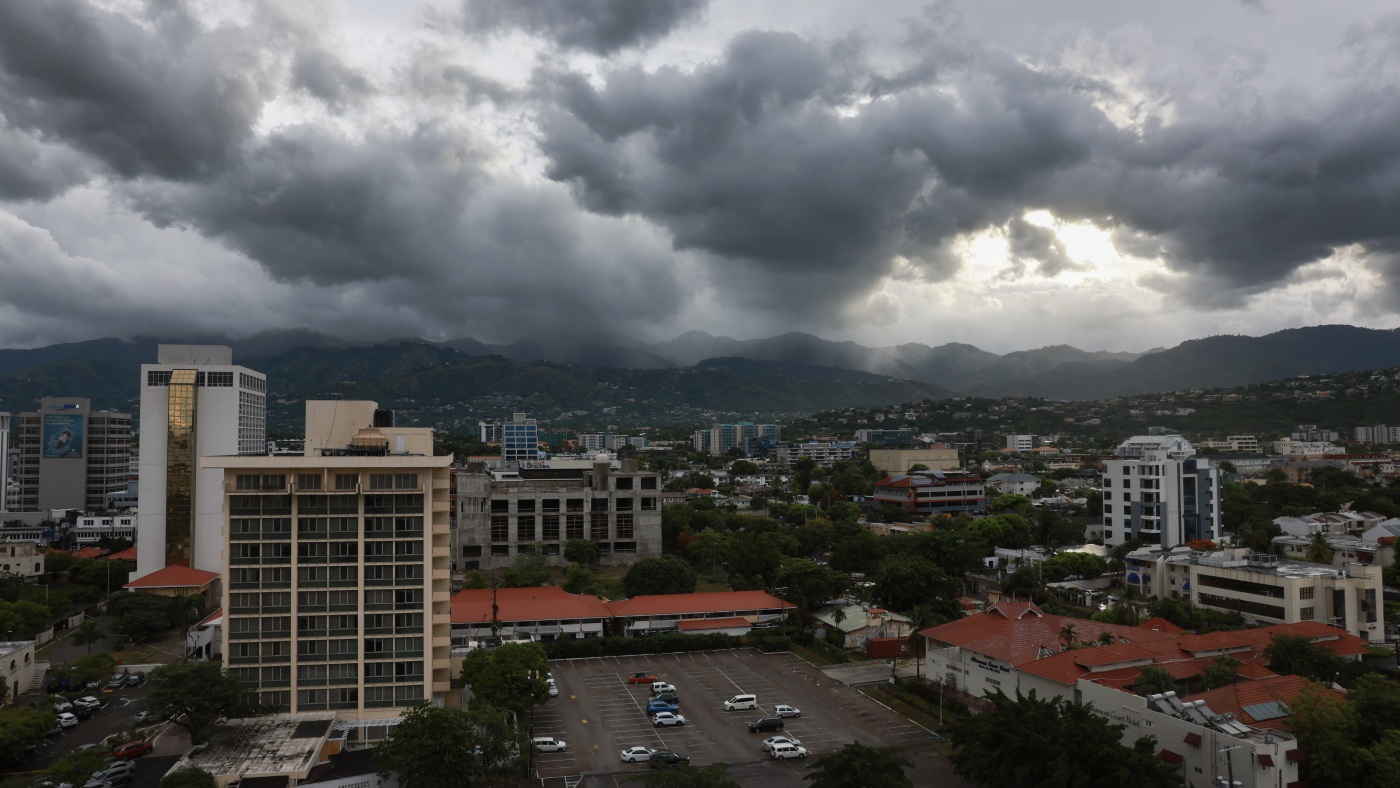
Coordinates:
(89, 529)
(823, 453)
(195, 403)
(1243, 444)
(4, 462)
(1156, 489)
(1022, 442)
(336, 596)
(1265, 589)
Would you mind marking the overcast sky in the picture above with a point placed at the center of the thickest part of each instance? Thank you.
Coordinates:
(1010, 174)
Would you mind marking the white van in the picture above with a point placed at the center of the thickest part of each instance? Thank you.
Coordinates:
(741, 703)
(785, 751)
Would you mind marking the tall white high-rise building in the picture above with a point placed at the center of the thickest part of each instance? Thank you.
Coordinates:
(194, 403)
(4, 461)
(1157, 490)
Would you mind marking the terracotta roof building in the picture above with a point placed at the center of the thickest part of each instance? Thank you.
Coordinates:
(550, 613)
(660, 613)
(1016, 647)
(543, 614)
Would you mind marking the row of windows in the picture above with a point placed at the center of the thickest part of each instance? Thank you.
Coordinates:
(1244, 606)
(599, 523)
(1241, 586)
(206, 379)
(313, 481)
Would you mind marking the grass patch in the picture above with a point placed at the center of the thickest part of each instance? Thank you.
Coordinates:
(707, 583)
(907, 706)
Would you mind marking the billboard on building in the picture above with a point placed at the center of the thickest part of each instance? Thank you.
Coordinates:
(63, 436)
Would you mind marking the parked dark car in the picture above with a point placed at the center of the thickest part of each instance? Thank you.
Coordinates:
(83, 712)
(667, 697)
(135, 679)
(766, 724)
(667, 758)
(657, 706)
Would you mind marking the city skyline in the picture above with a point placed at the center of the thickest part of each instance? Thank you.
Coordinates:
(1004, 174)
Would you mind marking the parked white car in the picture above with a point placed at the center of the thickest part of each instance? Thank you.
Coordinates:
(785, 751)
(784, 710)
(637, 754)
(773, 741)
(663, 719)
(549, 744)
(88, 702)
(658, 687)
(67, 720)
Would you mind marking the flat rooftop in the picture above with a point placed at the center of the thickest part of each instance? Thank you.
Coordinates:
(277, 745)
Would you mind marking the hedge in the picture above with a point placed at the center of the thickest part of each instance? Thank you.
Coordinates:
(573, 648)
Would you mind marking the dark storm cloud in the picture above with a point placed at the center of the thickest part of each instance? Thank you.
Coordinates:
(326, 77)
(31, 169)
(598, 26)
(415, 217)
(169, 99)
(765, 155)
(772, 155)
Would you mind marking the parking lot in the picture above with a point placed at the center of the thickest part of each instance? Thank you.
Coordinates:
(599, 715)
(119, 707)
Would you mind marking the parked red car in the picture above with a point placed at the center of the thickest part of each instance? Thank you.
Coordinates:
(641, 678)
(132, 750)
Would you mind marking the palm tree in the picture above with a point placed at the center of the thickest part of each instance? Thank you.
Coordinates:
(185, 610)
(1319, 549)
(1106, 638)
(1067, 635)
(88, 633)
(920, 618)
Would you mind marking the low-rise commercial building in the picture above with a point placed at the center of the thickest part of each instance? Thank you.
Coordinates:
(504, 514)
(938, 457)
(932, 492)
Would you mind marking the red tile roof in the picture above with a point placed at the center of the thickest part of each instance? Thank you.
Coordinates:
(1235, 697)
(88, 552)
(1017, 632)
(129, 554)
(1021, 634)
(707, 602)
(547, 603)
(693, 624)
(1161, 625)
(174, 577)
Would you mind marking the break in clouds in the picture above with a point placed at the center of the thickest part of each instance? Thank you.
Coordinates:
(521, 170)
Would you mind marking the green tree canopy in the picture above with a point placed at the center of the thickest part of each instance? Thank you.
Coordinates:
(23, 618)
(93, 667)
(434, 747)
(742, 468)
(510, 676)
(194, 695)
(582, 551)
(858, 765)
(664, 574)
(77, 766)
(904, 581)
(1221, 672)
(1300, 656)
(1152, 680)
(188, 777)
(1326, 727)
(1050, 743)
(20, 727)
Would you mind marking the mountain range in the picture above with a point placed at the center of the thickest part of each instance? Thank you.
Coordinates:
(788, 373)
